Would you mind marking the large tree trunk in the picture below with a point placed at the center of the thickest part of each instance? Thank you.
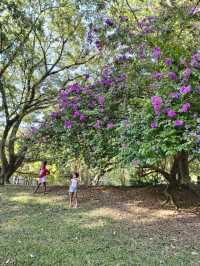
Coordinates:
(10, 159)
(179, 190)
(179, 173)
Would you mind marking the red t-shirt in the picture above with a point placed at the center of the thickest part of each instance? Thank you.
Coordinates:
(43, 171)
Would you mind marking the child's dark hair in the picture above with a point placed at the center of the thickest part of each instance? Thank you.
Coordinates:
(76, 174)
(45, 162)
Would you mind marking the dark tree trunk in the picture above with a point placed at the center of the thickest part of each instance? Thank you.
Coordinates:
(179, 173)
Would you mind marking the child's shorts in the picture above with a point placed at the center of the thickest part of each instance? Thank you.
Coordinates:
(42, 179)
(72, 189)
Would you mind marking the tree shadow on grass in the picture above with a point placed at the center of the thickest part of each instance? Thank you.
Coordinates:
(112, 227)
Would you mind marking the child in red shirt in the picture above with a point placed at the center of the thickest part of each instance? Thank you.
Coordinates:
(42, 177)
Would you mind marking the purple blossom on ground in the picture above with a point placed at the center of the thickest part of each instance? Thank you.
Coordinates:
(174, 95)
(154, 124)
(178, 123)
(185, 89)
(68, 124)
(171, 113)
(185, 107)
(110, 125)
(186, 74)
(156, 53)
(172, 75)
(168, 61)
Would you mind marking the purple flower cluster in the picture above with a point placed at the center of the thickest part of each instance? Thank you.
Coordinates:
(185, 107)
(34, 130)
(98, 45)
(106, 82)
(141, 52)
(194, 10)
(195, 62)
(68, 124)
(175, 95)
(171, 113)
(54, 115)
(122, 77)
(110, 125)
(186, 74)
(156, 53)
(154, 124)
(146, 24)
(178, 123)
(98, 124)
(101, 100)
(168, 61)
(157, 75)
(172, 75)
(83, 118)
(109, 22)
(185, 89)
(156, 102)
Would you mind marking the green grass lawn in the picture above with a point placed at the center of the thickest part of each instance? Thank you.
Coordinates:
(108, 229)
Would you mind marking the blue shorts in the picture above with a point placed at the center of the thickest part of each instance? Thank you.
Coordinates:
(72, 189)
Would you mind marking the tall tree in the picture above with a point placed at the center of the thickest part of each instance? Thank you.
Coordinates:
(41, 44)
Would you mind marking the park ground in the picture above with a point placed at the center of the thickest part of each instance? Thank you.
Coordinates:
(112, 227)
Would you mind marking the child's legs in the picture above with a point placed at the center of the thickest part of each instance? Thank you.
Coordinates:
(37, 187)
(75, 199)
(70, 198)
(45, 186)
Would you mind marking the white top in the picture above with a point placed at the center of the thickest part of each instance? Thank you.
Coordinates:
(74, 182)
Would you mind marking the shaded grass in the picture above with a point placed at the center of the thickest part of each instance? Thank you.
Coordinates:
(41, 230)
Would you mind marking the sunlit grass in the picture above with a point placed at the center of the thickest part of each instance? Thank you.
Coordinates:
(41, 230)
